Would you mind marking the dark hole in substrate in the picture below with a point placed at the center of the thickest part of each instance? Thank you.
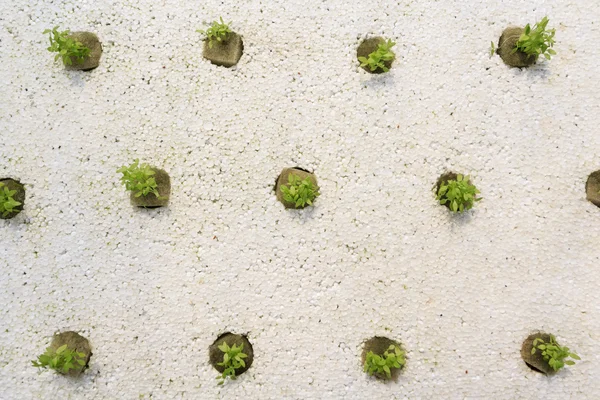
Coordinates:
(536, 361)
(448, 176)
(283, 179)
(533, 368)
(163, 183)
(506, 45)
(91, 61)
(378, 345)
(74, 341)
(367, 47)
(592, 188)
(216, 355)
(13, 184)
(302, 169)
(444, 178)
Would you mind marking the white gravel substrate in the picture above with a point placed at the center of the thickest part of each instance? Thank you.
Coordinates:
(152, 289)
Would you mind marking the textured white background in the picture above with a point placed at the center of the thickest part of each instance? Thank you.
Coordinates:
(152, 289)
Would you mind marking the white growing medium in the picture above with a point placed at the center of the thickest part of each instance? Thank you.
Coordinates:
(152, 289)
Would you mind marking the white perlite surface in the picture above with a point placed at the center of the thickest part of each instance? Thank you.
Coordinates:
(152, 289)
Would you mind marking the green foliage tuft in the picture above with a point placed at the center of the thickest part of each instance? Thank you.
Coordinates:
(62, 360)
(233, 358)
(298, 191)
(553, 353)
(139, 179)
(66, 47)
(382, 365)
(218, 32)
(459, 194)
(376, 59)
(7, 202)
(537, 41)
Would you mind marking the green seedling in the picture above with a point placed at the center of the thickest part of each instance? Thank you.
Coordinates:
(459, 193)
(553, 353)
(537, 41)
(392, 358)
(233, 358)
(376, 59)
(299, 191)
(139, 179)
(62, 360)
(66, 47)
(218, 32)
(7, 202)
(492, 49)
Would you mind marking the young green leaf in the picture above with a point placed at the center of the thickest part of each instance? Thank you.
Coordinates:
(301, 192)
(378, 57)
(139, 179)
(66, 47)
(537, 41)
(233, 358)
(553, 353)
(382, 365)
(218, 32)
(61, 360)
(7, 202)
(459, 193)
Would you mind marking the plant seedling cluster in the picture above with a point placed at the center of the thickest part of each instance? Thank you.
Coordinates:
(218, 32)
(299, 191)
(62, 360)
(7, 202)
(382, 365)
(233, 358)
(139, 179)
(66, 47)
(376, 59)
(459, 194)
(553, 353)
(537, 41)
